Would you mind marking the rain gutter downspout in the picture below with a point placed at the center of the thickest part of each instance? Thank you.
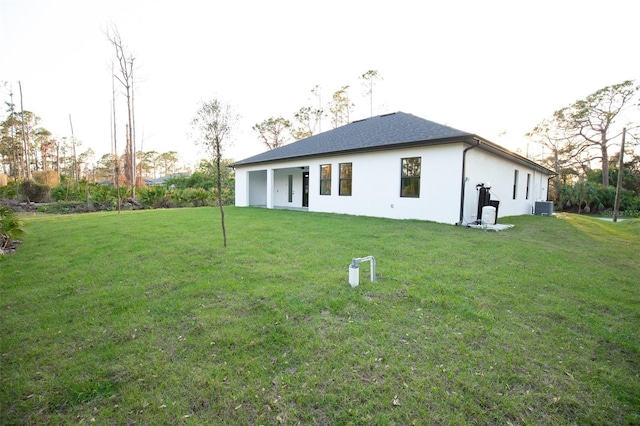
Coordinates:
(464, 161)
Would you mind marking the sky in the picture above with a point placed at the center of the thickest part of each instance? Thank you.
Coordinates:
(493, 68)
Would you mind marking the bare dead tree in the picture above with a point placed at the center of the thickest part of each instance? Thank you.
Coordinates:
(133, 133)
(75, 157)
(125, 77)
(114, 132)
(25, 141)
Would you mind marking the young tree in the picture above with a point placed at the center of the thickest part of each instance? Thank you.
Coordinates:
(215, 121)
(369, 79)
(273, 131)
(593, 120)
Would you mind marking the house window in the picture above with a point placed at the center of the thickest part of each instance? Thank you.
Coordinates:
(528, 185)
(410, 177)
(515, 184)
(345, 178)
(325, 179)
(290, 188)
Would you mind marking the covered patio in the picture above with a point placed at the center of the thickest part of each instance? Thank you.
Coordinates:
(284, 188)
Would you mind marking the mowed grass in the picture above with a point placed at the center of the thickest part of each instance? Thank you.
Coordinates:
(144, 318)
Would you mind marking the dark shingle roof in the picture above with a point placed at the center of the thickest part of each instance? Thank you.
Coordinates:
(384, 131)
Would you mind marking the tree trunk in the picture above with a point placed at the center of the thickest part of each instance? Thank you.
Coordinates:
(75, 159)
(616, 203)
(127, 156)
(133, 138)
(605, 160)
(556, 178)
(219, 173)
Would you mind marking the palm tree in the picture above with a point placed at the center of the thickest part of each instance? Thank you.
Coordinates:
(11, 229)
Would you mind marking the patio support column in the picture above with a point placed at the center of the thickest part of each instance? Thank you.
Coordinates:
(270, 178)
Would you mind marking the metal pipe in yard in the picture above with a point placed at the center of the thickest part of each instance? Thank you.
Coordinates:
(354, 270)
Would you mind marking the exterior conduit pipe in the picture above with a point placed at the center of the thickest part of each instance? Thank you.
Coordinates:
(354, 270)
(464, 160)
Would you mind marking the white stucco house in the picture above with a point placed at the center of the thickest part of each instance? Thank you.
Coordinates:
(395, 166)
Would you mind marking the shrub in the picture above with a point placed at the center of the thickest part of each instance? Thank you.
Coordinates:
(34, 192)
(11, 228)
(58, 193)
(67, 190)
(8, 191)
(176, 197)
(196, 197)
(101, 194)
(592, 197)
(153, 196)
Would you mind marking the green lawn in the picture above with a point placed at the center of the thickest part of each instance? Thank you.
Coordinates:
(144, 318)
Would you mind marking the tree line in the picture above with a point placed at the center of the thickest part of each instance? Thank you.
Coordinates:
(27, 147)
(28, 150)
(579, 143)
(274, 132)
